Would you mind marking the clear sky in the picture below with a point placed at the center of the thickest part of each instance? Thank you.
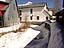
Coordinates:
(49, 2)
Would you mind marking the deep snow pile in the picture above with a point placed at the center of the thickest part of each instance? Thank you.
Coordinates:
(10, 40)
(17, 40)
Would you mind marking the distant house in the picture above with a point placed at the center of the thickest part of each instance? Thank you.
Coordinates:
(60, 14)
(36, 12)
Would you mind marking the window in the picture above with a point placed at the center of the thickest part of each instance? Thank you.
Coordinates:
(31, 17)
(0, 18)
(47, 26)
(1, 21)
(20, 12)
(46, 18)
(60, 17)
(37, 17)
(31, 11)
(20, 18)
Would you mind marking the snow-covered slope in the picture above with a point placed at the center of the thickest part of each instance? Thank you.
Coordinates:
(11, 28)
(19, 39)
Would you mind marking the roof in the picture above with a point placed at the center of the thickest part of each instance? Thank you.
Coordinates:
(32, 5)
(47, 13)
(50, 9)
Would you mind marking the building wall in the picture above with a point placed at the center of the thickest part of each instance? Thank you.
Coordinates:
(50, 12)
(37, 11)
(11, 16)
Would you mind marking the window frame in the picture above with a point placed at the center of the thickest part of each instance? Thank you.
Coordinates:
(20, 12)
(31, 11)
(31, 17)
(37, 17)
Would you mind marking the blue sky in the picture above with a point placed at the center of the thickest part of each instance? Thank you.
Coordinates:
(49, 2)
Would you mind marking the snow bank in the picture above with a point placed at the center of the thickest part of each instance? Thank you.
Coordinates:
(34, 26)
(11, 28)
(19, 39)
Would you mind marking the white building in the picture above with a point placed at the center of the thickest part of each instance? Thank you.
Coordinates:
(36, 12)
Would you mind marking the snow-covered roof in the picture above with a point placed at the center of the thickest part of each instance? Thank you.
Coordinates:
(29, 4)
(19, 39)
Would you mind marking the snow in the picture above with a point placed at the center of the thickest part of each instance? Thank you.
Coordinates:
(19, 39)
(28, 3)
(34, 26)
(11, 28)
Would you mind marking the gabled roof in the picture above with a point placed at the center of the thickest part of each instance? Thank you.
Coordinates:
(50, 9)
(47, 13)
(32, 5)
